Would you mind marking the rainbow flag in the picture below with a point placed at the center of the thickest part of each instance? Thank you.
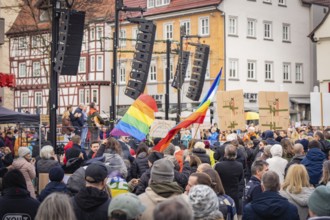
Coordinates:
(138, 118)
(195, 117)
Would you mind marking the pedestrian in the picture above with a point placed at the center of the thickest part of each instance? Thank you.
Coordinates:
(277, 163)
(16, 202)
(47, 160)
(175, 208)
(94, 121)
(319, 203)
(26, 164)
(140, 164)
(125, 207)
(78, 120)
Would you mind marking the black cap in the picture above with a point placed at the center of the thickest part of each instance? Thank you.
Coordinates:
(96, 172)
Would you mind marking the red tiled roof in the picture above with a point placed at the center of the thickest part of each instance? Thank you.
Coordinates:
(175, 5)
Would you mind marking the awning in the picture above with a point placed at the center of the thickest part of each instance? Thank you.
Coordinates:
(251, 116)
(301, 100)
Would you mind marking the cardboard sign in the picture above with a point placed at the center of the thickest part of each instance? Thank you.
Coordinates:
(273, 110)
(160, 128)
(320, 104)
(230, 110)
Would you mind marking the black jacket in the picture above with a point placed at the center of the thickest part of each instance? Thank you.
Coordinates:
(7, 160)
(78, 122)
(219, 152)
(325, 146)
(91, 203)
(139, 165)
(295, 160)
(252, 189)
(17, 202)
(271, 206)
(52, 187)
(202, 155)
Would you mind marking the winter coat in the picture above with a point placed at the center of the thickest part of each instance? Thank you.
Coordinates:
(67, 126)
(91, 203)
(314, 164)
(140, 165)
(277, 164)
(219, 152)
(28, 171)
(213, 137)
(7, 160)
(16, 203)
(52, 187)
(76, 182)
(325, 146)
(79, 121)
(271, 206)
(201, 154)
(296, 159)
(150, 199)
(44, 165)
(299, 200)
(252, 190)
(231, 174)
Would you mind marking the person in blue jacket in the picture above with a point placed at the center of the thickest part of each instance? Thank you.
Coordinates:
(314, 162)
(270, 204)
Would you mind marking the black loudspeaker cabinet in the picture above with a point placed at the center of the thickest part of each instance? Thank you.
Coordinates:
(69, 44)
(185, 61)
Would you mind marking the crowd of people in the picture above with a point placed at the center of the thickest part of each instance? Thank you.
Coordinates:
(253, 175)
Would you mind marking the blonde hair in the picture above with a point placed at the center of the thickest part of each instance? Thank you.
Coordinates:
(47, 152)
(56, 206)
(296, 178)
(326, 172)
(66, 114)
(8, 149)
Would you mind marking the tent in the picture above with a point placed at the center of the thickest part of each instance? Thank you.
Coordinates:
(8, 116)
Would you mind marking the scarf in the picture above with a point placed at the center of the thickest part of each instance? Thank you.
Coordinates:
(166, 189)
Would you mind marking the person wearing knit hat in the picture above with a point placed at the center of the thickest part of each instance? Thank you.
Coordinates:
(204, 202)
(125, 205)
(161, 187)
(16, 200)
(26, 165)
(56, 175)
(319, 202)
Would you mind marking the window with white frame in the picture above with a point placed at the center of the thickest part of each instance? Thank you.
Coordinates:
(151, 3)
(162, 2)
(251, 69)
(95, 95)
(99, 33)
(286, 71)
(186, 24)
(87, 96)
(233, 68)
(268, 70)
(153, 72)
(232, 27)
(92, 63)
(122, 73)
(92, 34)
(171, 69)
(38, 98)
(82, 65)
(135, 32)
(268, 30)
(99, 66)
(36, 69)
(22, 43)
(24, 99)
(122, 38)
(268, 1)
(282, 2)
(286, 32)
(168, 31)
(299, 72)
(251, 27)
(35, 41)
(81, 96)
(204, 26)
(22, 70)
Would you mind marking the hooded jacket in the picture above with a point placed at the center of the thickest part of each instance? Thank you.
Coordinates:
(201, 154)
(139, 165)
(271, 206)
(277, 163)
(299, 200)
(51, 187)
(91, 203)
(268, 136)
(314, 164)
(17, 202)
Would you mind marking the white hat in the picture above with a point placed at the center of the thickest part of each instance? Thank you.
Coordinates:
(22, 151)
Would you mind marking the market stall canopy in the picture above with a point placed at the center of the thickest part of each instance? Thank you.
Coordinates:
(8, 116)
(251, 116)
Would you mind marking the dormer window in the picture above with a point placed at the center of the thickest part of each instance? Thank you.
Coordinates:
(158, 3)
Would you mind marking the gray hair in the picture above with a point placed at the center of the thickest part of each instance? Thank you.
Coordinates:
(271, 181)
(56, 206)
(231, 152)
(46, 152)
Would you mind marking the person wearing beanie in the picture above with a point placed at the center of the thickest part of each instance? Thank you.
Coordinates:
(125, 206)
(16, 200)
(313, 162)
(161, 187)
(92, 201)
(169, 154)
(26, 165)
(204, 202)
(277, 163)
(56, 184)
(199, 151)
(319, 202)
